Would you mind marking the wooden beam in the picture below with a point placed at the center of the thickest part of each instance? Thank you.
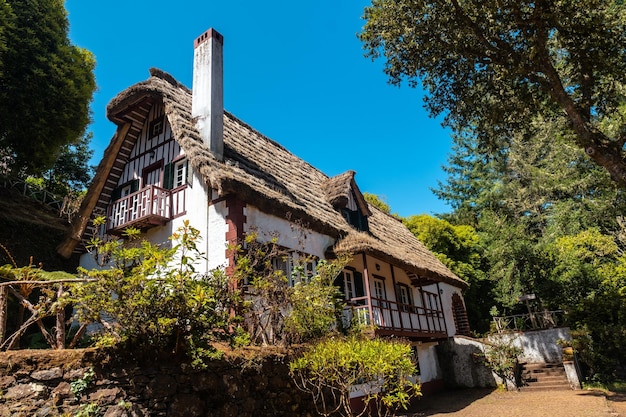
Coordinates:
(81, 220)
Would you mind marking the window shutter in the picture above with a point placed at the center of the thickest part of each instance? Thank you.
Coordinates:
(116, 193)
(339, 282)
(359, 291)
(134, 185)
(188, 169)
(168, 176)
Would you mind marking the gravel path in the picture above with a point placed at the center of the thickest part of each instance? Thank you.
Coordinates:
(489, 403)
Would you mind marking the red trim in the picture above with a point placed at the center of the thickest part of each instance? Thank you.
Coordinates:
(235, 219)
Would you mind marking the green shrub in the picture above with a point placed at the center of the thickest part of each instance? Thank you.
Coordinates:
(152, 297)
(381, 368)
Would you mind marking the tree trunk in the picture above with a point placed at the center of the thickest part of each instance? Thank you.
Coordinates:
(4, 299)
(60, 325)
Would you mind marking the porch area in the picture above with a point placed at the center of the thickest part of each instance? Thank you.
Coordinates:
(391, 318)
(149, 207)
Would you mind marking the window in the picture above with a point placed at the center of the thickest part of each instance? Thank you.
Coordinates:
(350, 283)
(379, 288)
(282, 263)
(432, 300)
(404, 297)
(152, 174)
(156, 127)
(296, 267)
(176, 174)
(125, 189)
(356, 219)
(180, 173)
(379, 293)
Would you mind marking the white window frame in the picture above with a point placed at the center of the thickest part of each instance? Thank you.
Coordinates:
(348, 284)
(180, 173)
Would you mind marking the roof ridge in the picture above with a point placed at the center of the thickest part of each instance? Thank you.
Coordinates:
(272, 141)
(166, 76)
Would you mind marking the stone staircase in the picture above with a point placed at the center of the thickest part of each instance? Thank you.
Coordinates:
(544, 377)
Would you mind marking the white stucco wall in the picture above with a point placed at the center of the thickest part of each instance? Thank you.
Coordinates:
(296, 238)
(216, 239)
(428, 362)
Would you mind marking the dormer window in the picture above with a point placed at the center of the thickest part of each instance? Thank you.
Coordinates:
(356, 219)
(345, 196)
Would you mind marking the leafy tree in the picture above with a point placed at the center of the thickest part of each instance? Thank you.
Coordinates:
(377, 202)
(502, 357)
(46, 85)
(521, 199)
(71, 171)
(589, 278)
(278, 313)
(491, 67)
(316, 304)
(382, 368)
(153, 298)
(459, 248)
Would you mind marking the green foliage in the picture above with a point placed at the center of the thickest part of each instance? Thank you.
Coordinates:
(502, 358)
(460, 249)
(153, 297)
(79, 386)
(315, 304)
(70, 173)
(37, 292)
(328, 370)
(538, 165)
(376, 201)
(88, 410)
(46, 85)
(278, 313)
(491, 67)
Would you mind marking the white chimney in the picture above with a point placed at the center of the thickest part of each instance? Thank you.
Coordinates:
(207, 106)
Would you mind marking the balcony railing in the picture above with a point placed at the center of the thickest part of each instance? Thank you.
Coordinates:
(392, 318)
(151, 206)
(530, 321)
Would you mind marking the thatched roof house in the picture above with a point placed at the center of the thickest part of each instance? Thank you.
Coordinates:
(251, 167)
(257, 169)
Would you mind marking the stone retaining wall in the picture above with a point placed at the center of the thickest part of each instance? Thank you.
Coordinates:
(39, 383)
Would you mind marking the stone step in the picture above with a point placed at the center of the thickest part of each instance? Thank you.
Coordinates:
(553, 387)
(536, 378)
(544, 377)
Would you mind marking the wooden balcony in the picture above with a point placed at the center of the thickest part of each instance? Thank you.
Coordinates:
(394, 319)
(149, 207)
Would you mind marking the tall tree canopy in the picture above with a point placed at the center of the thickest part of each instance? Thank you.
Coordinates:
(490, 66)
(46, 85)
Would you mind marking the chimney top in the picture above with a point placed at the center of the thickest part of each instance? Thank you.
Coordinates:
(206, 36)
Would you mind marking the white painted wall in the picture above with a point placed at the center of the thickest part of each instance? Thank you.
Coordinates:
(216, 239)
(295, 238)
(429, 364)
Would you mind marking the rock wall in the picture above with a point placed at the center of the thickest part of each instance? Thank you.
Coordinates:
(52, 383)
(461, 361)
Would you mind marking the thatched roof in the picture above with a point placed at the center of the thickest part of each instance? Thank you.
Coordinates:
(257, 170)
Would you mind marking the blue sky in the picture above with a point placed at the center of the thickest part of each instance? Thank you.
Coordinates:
(295, 71)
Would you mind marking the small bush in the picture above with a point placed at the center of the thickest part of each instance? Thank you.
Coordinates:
(380, 368)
